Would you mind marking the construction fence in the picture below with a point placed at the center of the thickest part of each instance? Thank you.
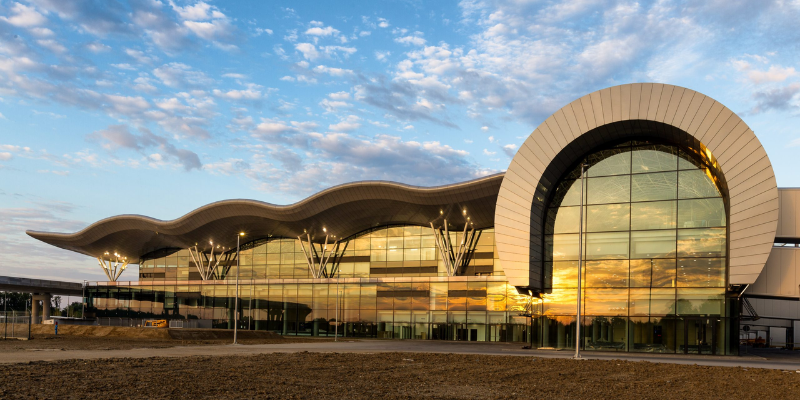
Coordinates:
(15, 324)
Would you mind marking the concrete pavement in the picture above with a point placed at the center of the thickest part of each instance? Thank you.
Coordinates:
(378, 346)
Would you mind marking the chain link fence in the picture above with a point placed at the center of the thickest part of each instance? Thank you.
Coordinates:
(15, 324)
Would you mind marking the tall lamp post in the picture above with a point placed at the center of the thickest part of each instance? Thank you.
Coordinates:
(580, 267)
(236, 301)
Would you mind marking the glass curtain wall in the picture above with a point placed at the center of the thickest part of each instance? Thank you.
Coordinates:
(383, 252)
(478, 308)
(655, 240)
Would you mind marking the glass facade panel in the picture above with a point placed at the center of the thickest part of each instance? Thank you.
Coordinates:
(653, 244)
(602, 218)
(701, 272)
(701, 213)
(609, 162)
(650, 187)
(654, 159)
(606, 245)
(653, 273)
(607, 273)
(696, 184)
(702, 242)
(701, 301)
(613, 189)
(653, 215)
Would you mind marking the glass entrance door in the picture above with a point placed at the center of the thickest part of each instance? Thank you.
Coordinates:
(699, 336)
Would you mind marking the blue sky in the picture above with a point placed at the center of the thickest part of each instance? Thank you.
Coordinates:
(159, 107)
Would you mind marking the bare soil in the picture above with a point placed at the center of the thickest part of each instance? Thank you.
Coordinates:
(387, 375)
(75, 337)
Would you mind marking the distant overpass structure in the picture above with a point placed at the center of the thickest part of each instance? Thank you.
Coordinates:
(41, 290)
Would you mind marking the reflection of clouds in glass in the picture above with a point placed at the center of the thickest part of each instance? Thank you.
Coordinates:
(701, 272)
(701, 242)
(653, 215)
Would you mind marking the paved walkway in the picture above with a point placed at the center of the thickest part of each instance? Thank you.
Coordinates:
(378, 346)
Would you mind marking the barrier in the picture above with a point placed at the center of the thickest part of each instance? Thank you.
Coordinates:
(15, 324)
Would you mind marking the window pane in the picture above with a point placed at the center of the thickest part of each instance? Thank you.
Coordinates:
(653, 244)
(615, 189)
(701, 301)
(697, 183)
(653, 273)
(654, 159)
(565, 274)
(562, 247)
(611, 217)
(701, 213)
(708, 242)
(606, 302)
(604, 246)
(653, 215)
(701, 272)
(567, 193)
(661, 186)
(563, 220)
(609, 162)
(652, 302)
(608, 273)
(561, 302)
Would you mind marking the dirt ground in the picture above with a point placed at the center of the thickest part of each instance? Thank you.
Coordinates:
(388, 375)
(123, 338)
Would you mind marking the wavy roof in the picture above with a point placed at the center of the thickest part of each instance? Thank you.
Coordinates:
(343, 210)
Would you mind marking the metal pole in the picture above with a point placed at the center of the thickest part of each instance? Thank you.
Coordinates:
(83, 310)
(5, 315)
(336, 328)
(236, 301)
(580, 267)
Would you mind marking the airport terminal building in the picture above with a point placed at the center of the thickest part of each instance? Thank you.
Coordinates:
(662, 196)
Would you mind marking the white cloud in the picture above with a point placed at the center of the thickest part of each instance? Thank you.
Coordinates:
(251, 93)
(178, 75)
(382, 55)
(340, 96)
(348, 124)
(308, 50)
(510, 150)
(326, 31)
(140, 56)
(52, 45)
(5, 156)
(410, 40)
(383, 22)
(97, 47)
(24, 16)
(321, 69)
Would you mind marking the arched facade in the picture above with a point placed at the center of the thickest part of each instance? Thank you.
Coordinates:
(670, 114)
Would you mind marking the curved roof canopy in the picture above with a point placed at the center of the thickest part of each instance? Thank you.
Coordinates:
(342, 211)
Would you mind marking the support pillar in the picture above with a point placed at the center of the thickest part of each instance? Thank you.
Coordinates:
(46, 299)
(34, 308)
(46, 306)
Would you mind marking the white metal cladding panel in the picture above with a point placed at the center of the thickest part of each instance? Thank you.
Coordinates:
(742, 159)
(781, 274)
(789, 213)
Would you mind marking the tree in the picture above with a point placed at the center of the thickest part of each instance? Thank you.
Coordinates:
(74, 310)
(14, 301)
(56, 300)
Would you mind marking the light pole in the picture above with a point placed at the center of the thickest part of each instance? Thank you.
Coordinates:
(580, 267)
(83, 301)
(236, 300)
